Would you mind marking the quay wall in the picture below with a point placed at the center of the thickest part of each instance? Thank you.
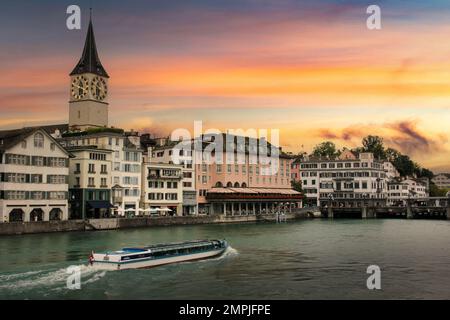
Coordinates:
(11, 228)
(16, 228)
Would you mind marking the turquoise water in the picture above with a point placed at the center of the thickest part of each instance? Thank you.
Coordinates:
(311, 259)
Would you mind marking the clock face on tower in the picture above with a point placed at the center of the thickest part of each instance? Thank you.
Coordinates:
(99, 89)
(80, 87)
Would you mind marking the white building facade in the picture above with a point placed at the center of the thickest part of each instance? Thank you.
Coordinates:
(34, 177)
(442, 180)
(343, 179)
(162, 188)
(401, 190)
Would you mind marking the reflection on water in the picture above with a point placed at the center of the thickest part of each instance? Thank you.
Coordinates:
(298, 260)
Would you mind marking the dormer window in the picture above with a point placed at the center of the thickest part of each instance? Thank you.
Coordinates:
(38, 140)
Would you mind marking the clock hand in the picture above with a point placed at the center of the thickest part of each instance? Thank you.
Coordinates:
(79, 87)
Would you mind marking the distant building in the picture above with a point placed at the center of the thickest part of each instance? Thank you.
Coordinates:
(401, 190)
(442, 180)
(343, 179)
(33, 176)
(347, 154)
(391, 171)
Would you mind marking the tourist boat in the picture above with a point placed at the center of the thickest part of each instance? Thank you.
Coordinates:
(157, 254)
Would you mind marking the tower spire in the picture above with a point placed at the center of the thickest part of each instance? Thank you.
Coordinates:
(89, 61)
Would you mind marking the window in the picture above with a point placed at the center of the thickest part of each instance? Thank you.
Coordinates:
(77, 168)
(37, 161)
(36, 178)
(24, 144)
(219, 168)
(56, 179)
(91, 168)
(57, 195)
(187, 174)
(103, 183)
(38, 140)
(91, 182)
(57, 162)
(52, 146)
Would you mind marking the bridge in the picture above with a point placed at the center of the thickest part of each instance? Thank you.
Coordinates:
(417, 208)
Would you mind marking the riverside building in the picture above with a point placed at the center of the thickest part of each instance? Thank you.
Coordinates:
(161, 151)
(342, 179)
(162, 189)
(33, 176)
(236, 179)
(401, 190)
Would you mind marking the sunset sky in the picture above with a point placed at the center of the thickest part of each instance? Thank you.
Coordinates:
(308, 68)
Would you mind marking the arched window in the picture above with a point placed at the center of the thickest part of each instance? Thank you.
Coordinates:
(55, 214)
(244, 185)
(236, 185)
(36, 215)
(39, 140)
(229, 185)
(16, 215)
(219, 184)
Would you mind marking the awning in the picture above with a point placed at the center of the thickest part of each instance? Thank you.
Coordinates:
(100, 204)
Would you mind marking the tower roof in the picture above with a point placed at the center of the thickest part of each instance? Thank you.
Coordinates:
(90, 62)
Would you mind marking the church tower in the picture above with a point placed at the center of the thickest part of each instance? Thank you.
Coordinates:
(88, 104)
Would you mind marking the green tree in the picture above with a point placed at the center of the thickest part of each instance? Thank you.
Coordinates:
(404, 165)
(392, 154)
(437, 192)
(297, 185)
(425, 173)
(325, 149)
(375, 145)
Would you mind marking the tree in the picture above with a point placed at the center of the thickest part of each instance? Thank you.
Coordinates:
(404, 165)
(296, 185)
(425, 173)
(392, 154)
(437, 192)
(325, 149)
(375, 145)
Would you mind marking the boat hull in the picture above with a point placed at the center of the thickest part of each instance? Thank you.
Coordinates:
(154, 262)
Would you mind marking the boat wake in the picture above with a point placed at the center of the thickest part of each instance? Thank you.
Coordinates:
(46, 280)
(229, 252)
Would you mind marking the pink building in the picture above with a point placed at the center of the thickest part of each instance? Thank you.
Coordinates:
(244, 179)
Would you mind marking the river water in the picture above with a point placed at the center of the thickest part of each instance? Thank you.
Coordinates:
(310, 259)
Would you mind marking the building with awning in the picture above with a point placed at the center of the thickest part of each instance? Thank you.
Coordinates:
(248, 201)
